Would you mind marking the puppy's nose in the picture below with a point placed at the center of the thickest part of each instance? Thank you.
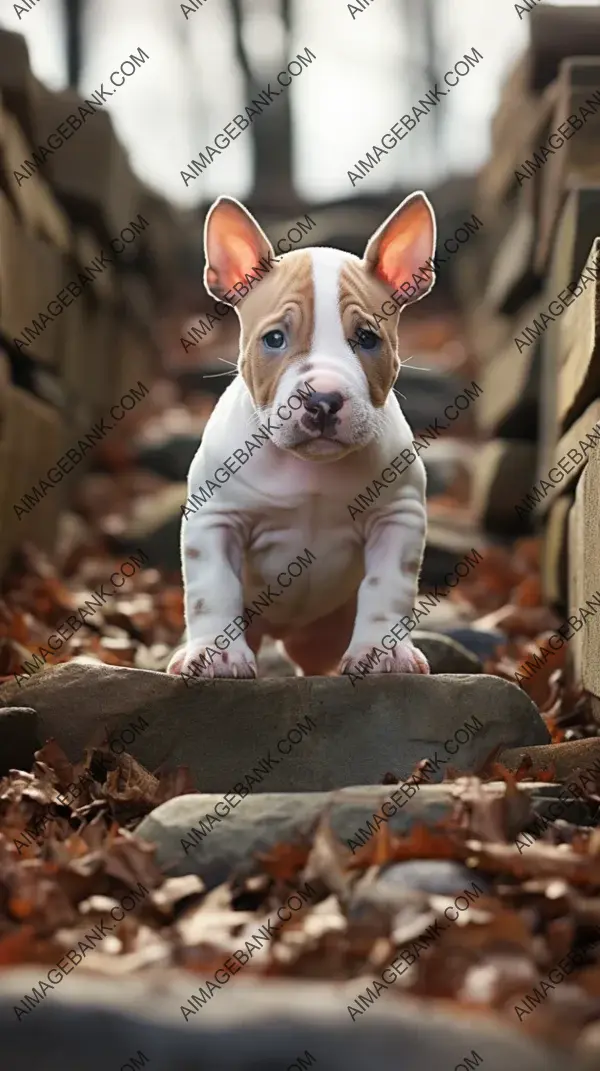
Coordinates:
(323, 404)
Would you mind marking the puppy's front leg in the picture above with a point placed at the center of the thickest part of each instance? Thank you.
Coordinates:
(212, 552)
(393, 554)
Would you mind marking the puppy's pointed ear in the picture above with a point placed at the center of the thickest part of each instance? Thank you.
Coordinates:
(233, 246)
(402, 246)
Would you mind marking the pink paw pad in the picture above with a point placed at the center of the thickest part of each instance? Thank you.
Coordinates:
(201, 661)
(365, 660)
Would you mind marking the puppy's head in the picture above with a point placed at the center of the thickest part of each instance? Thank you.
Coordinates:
(318, 345)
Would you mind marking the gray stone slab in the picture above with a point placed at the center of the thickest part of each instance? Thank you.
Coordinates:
(378, 898)
(442, 877)
(481, 642)
(241, 829)
(306, 734)
(89, 1022)
(444, 654)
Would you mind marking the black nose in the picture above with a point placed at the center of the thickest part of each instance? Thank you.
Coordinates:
(322, 405)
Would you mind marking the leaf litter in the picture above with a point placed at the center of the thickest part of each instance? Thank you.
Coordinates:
(535, 906)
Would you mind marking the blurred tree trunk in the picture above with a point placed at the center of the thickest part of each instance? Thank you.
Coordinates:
(271, 132)
(421, 23)
(73, 20)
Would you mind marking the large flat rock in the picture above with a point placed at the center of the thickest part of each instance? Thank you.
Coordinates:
(302, 735)
(89, 1022)
(214, 836)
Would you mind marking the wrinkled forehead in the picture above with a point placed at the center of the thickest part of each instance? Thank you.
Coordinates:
(320, 290)
(286, 289)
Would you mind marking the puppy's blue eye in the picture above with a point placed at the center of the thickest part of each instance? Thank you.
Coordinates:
(274, 341)
(367, 339)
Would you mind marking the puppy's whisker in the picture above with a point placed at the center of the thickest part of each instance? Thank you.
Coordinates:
(418, 368)
(213, 375)
(398, 393)
(222, 359)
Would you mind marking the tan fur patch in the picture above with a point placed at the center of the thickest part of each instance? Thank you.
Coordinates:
(283, 299)
(361, 296)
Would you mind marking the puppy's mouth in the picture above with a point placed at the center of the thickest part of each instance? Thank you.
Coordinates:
(315, 442)
(318, 428)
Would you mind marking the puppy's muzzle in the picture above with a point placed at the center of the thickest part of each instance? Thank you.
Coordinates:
(320, 411)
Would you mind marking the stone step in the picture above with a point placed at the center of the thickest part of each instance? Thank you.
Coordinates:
(91, 1023)
(508, 408)
(584, 578)
(565, 761)
(215, 835)
(288, 735)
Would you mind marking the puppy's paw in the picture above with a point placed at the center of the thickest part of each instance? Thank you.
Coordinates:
(202, 661)
(405, 658)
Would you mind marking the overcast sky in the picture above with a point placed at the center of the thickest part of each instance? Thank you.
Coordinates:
(367, 73)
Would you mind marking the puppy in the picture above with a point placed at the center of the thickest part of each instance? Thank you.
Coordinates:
(309, 331)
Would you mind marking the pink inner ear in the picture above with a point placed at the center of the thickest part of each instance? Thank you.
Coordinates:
(231, 259)
(394, 260)
(243, 254)
(233, 248)
(405, 245)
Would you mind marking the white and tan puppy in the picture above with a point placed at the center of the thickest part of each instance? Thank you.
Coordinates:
(299, 326)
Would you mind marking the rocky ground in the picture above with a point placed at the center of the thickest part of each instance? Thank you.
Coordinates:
(403, 872)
